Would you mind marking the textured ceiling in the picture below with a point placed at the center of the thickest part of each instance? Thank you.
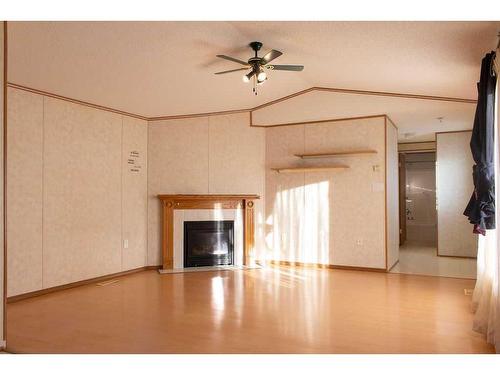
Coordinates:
(166, 68)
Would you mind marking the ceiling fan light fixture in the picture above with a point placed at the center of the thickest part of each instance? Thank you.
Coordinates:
(246, 77)
(258, 66)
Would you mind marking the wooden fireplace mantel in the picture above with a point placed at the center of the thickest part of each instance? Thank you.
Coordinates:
(170, 203)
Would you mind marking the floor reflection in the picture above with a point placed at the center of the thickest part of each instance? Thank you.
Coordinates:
(268, 310)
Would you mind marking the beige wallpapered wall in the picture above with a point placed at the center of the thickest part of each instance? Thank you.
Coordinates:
(73, 199)
(454, 187)
(1, 182)
(73, 196)
(392, 196)
(205, 155)
(332, 217)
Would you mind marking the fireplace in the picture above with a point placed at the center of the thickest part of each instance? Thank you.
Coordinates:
(208, 243)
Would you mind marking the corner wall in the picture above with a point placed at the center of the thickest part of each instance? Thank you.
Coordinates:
(331, 217)
(204, 155)
(66, 152)
(392, 194)
(73, 196)
(2, 145)
(454, 187)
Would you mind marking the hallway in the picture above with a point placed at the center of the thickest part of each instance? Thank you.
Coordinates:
(421, 259)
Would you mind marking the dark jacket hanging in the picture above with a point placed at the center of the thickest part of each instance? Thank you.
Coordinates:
(481, 207)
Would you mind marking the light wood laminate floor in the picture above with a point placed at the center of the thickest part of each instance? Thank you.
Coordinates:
(273, 310)
(421, 259)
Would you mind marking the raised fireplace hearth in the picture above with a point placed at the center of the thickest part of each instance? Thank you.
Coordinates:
(208, 243)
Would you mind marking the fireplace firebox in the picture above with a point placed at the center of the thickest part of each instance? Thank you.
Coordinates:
(208, 243)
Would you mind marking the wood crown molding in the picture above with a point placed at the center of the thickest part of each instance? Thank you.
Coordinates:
(247, 110)
(365, 92)
(76, 101)
(451, 131)
(317, 121)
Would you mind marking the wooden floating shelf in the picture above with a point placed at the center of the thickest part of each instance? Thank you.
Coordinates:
(336, 153)
(310, 169)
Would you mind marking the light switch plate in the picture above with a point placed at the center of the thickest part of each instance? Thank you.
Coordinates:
(125, 244)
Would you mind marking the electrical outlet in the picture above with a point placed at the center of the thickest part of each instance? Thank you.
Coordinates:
(359, 242)
(125, 244)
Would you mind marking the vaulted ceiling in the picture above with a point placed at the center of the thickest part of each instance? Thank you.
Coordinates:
(166, 68)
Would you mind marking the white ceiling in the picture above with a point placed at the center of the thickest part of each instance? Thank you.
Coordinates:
(166, 68)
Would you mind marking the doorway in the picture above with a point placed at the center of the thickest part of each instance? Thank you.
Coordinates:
(419, 219)
(420, 213)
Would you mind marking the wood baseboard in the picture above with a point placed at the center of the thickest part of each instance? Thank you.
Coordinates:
(323, 266)
(75, 284)
(394, 265)
(147, 268)
(41, 292)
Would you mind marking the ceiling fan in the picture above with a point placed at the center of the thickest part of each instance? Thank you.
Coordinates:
(258, 65)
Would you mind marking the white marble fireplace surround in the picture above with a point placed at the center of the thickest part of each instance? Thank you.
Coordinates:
(180, 216)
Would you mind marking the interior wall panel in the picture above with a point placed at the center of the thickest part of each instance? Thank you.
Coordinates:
(82, 193)
(2, 213)
(356, 195)
(177, 164)
(284, 194)
(454, 187)
(237, 162)
(73, 198)
(206, 155)
(134, 190)
(24, 192)
(334, 217)
(392, 201)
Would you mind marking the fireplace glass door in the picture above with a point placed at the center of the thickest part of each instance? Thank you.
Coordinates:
(208, 243)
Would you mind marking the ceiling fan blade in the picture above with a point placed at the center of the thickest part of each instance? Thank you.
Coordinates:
(230, 71)
(271, 55)
(294, 68)
(232, 59)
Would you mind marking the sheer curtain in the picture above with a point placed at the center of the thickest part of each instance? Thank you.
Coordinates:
(485, 300)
